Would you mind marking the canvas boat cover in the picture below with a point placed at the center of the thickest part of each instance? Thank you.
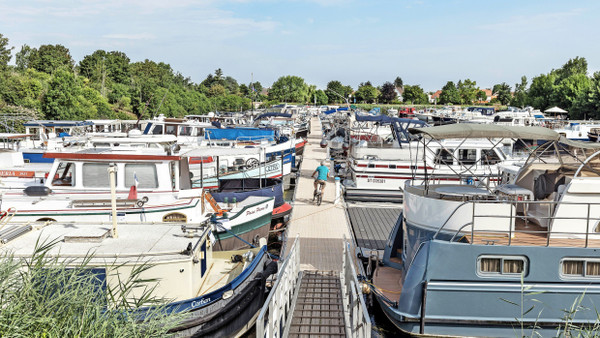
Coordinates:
(471, 130)
(240, 189)
(242, 134)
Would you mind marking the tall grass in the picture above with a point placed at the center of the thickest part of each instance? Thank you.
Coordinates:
(45, 296)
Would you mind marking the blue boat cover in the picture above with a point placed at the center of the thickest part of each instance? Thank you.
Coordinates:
(374, 118)
(331, 111)
(240, 189)
(242, 134)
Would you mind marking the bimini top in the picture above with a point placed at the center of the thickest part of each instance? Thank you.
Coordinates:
(580, 144)
(383, 119)
(472, 130)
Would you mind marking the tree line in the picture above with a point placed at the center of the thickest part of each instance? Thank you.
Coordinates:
(106, 84)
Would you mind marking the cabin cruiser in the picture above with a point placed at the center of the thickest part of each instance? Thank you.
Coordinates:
(378, 170)
(578, 130)
(149, 188)
(213, 294)
(520, 258)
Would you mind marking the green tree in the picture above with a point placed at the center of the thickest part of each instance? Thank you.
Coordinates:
(388, 93)
(481, 95)
(541, 91)
(5, 52)
(569, 90)
(48, 58)
(467, 90)
(572, 67)
(322, 98)
(415, 95)
(366, 93)
(336, 92)
(502, 91)
(449, 94)
(101, 66)
(289, 89)
(398, 82)
(520, 97)
(24, 56)
(64, 99)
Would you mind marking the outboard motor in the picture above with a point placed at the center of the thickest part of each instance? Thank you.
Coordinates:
(323, 143)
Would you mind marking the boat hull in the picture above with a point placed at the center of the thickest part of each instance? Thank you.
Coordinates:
(214, 315)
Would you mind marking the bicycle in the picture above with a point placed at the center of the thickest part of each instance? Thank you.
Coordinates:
(318, 194)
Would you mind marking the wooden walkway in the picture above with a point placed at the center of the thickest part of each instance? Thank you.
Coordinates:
(372, 226)
(319, 310)
(321, 228)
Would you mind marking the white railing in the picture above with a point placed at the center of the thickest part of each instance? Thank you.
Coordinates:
(275, 316)
(358, 323)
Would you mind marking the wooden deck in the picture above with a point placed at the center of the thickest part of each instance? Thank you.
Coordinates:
(388, 281)
(319, 310)
(372, 226)
(528, 234)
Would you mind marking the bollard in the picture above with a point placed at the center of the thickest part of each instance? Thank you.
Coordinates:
(338, 190)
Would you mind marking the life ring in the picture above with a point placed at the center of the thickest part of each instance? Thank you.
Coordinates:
(252, 163)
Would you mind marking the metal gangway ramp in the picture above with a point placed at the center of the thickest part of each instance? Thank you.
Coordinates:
(314, 303)
(318, 310)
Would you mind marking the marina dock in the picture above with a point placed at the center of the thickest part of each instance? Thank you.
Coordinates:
(321, 229)
(316, 293)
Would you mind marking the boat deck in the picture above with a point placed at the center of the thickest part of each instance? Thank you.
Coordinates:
(529, 234)
(319, 310)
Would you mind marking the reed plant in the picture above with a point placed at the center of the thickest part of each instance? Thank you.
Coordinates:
(46, 296)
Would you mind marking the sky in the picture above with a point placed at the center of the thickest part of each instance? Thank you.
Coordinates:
(426, 43)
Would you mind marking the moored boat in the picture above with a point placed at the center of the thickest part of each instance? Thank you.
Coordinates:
(520, 258)
(215, 294)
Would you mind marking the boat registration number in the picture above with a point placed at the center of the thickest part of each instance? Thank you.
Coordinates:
(375, 180)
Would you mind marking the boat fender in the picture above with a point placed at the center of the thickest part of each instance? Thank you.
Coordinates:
(323, 143)
(37, 191)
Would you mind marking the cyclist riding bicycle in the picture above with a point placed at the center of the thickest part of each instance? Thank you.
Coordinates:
(322, 173)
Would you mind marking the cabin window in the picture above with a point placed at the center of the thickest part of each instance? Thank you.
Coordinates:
(145, 173)
(467, 156)
(392, 166)
(95, 175)
(444, 156)
(158, 130)
(170, 130)
(497, 265)
(65, 174)
(185, 131)
(581, 268)
(489, 156)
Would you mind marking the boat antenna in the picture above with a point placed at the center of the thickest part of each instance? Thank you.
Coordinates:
(161, 101)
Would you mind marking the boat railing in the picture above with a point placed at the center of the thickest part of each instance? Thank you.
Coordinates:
(358, 322)
(275, 316)
(536, 220)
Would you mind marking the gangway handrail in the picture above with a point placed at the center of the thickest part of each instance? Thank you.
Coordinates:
(276, 322)
(356, 316)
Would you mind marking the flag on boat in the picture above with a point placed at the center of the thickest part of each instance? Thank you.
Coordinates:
(133, 195)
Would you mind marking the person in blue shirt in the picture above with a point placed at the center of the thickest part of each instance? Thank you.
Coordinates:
(322, 174)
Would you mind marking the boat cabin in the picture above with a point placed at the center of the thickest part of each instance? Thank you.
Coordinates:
(88, 170)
